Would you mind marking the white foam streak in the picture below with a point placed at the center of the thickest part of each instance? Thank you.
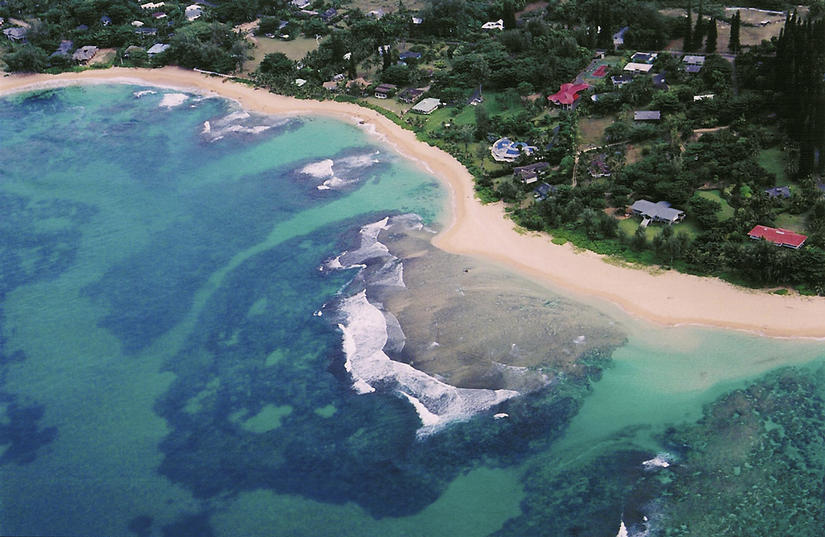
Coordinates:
(171, 100)
(141, 93)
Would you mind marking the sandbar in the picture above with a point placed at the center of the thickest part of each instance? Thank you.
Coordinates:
(484, 231)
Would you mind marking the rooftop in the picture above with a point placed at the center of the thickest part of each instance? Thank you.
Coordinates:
(694, 60)
(426, 106)
(647, 115)
(505, 150)
(638, 67)
(778, 236)
(779, 192)
(568, 93)
(661, 210)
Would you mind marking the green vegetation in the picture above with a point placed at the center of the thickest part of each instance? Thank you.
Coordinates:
(712, 157)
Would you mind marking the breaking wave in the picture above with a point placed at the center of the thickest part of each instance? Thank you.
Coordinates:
(369, 332)
(336, 174)
(239, 122)
(171, 100)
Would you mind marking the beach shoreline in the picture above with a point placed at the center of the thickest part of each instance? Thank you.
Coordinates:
(483, 231)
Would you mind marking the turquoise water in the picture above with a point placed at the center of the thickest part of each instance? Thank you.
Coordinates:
(164, 369)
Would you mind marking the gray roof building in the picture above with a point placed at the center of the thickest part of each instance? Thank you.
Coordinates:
(84, 54)
(779, 192)
(65, 48)
(657, 212)
(157, 48)
(530, 173)
(16, 33)
(647, 115)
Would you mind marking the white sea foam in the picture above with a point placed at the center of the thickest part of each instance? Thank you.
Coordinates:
(661, 460)
(141, 93)
(337, 174)
(238, 122)
(622, 530)
(437, 403)
(171, 100)
(320, 170)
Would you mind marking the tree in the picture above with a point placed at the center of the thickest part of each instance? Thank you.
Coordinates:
(688, 31)
(508, 14)
(710, 43)
(482, 122)
(276, 64)
(735, 21)
(27, 59)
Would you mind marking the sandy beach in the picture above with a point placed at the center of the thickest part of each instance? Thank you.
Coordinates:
(483, 231)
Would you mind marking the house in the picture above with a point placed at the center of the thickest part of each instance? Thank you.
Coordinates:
(81, 28)
(778, 236)
(146, 31)
(703, 97)
(300, 4)
(656, 212)
(543, 190)
(568, 95)
(410, 95)
(637, 68)
(330, 85)
(156, 49)
(693, 60)
(599, 54)
(159, 15)
(644, 57)
(598, 166)
(505, 150)
(493, 25)
(376, 13)
(193, 12)
(779, 192)
(659, 81)
(152, 5)
(382, 91)
(360, 84)
(300, 82)
(693, 69)
(476, 98)
(329, 14)
(618, 37)
(339, 77)
(84, 54)
(65, 49)
(16, 34)
(426, 106)
(137, 24)
(105, 20)
(647, 115)
(530, 174)
(417, 20)
(621, 80)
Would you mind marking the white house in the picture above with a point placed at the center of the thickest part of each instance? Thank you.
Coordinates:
(157, 48)
(426, 106)
(637, 68)
(493, 25)
(193, 12)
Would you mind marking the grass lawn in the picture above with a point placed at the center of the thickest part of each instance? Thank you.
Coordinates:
(392, 104)
(591, 130)
(387, 6)
(726, 210)
(794, 222)
(294, 50)
(687, 227)
(773, 160)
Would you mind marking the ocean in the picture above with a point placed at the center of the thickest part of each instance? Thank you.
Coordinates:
(215, 322)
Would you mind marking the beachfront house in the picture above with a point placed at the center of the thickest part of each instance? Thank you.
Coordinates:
(647, 115)
(84, 54)
(778, 236)
(568, 95)
(530, 174)
(426, 106)
(656, 212)
(410, 95)
(157, 48)
(65, 49)
(383, 91)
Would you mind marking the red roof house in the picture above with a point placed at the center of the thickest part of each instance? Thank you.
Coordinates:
(778, 236)
(567, 95)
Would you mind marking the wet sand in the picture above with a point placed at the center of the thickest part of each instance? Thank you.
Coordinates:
(483, 231)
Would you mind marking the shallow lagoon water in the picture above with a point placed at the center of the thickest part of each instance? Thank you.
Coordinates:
(164, 370)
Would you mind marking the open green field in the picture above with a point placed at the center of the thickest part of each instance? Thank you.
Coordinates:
(773, 160)
(726, 211)
(294, 50)
(387, 6)
(591, 130)
(794, 222)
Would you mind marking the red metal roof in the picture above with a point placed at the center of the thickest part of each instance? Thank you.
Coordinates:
(779, 236)
(567, 94)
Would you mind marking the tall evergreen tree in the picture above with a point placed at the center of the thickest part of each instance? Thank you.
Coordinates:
(735, 21)
(688, 34)
(710, 44)
(508, 14)
(699, 29)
